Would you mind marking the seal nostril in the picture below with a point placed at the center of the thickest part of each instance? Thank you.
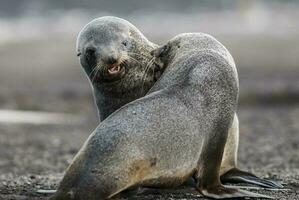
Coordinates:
(111, 60)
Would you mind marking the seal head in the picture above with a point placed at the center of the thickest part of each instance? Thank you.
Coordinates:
(115, 56)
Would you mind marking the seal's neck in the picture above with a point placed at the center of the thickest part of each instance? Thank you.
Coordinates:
(107, 104)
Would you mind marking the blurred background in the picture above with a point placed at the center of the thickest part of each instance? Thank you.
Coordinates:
(46, 103)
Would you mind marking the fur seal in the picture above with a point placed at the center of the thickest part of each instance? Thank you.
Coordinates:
(115, 55)
(179, 130)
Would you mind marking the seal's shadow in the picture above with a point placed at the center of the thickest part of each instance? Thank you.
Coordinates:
(182, 192)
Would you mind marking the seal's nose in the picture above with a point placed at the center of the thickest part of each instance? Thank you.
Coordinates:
(112, 60)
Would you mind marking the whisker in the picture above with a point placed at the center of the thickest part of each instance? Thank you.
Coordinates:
(123, 59)
(134, 60)
(97, 70)
(92, 71)
(125, 63)
(150, 63)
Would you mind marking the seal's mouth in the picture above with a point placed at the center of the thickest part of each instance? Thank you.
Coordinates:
(116, 69)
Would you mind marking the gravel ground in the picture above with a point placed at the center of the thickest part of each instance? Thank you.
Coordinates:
(34, 157)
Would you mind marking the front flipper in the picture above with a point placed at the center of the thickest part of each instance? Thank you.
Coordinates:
(237, 176)
(221, 192)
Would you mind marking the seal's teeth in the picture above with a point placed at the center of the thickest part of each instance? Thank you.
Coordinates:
(114, 69)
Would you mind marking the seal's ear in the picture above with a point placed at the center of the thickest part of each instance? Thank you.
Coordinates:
(161, 51)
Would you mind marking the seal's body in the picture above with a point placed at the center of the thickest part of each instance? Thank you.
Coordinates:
(115, 55)
(177, 131)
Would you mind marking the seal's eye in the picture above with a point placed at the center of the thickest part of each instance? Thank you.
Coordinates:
(164, 50)
(125, 43)
(79, 54)
(90, 51)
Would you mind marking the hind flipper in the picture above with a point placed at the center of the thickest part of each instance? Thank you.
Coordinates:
(207, 174)
(237, 176)
(221, 192)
